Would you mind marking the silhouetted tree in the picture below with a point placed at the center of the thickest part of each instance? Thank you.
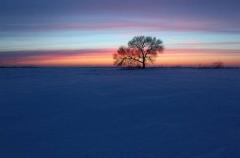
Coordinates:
(141, 50)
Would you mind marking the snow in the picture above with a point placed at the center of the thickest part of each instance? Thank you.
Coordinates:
(114, 113)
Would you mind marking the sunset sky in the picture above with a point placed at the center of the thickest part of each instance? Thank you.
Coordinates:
(88, 32)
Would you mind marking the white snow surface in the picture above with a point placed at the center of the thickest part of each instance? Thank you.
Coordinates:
(114, 113)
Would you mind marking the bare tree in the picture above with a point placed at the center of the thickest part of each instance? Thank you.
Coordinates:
(141, 50)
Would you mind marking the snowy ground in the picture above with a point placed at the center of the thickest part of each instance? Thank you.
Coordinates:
(112, 113)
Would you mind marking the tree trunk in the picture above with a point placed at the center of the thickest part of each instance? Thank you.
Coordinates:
(143, 64)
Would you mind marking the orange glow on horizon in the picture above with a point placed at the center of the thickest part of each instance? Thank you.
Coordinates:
(170, 57)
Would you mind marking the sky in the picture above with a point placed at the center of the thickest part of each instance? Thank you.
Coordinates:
(88, 32)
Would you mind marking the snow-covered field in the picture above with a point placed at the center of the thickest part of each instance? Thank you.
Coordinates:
(112, 113)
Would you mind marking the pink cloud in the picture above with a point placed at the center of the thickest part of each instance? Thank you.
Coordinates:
(147, 24)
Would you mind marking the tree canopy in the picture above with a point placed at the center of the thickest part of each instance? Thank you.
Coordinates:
(141, 50)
